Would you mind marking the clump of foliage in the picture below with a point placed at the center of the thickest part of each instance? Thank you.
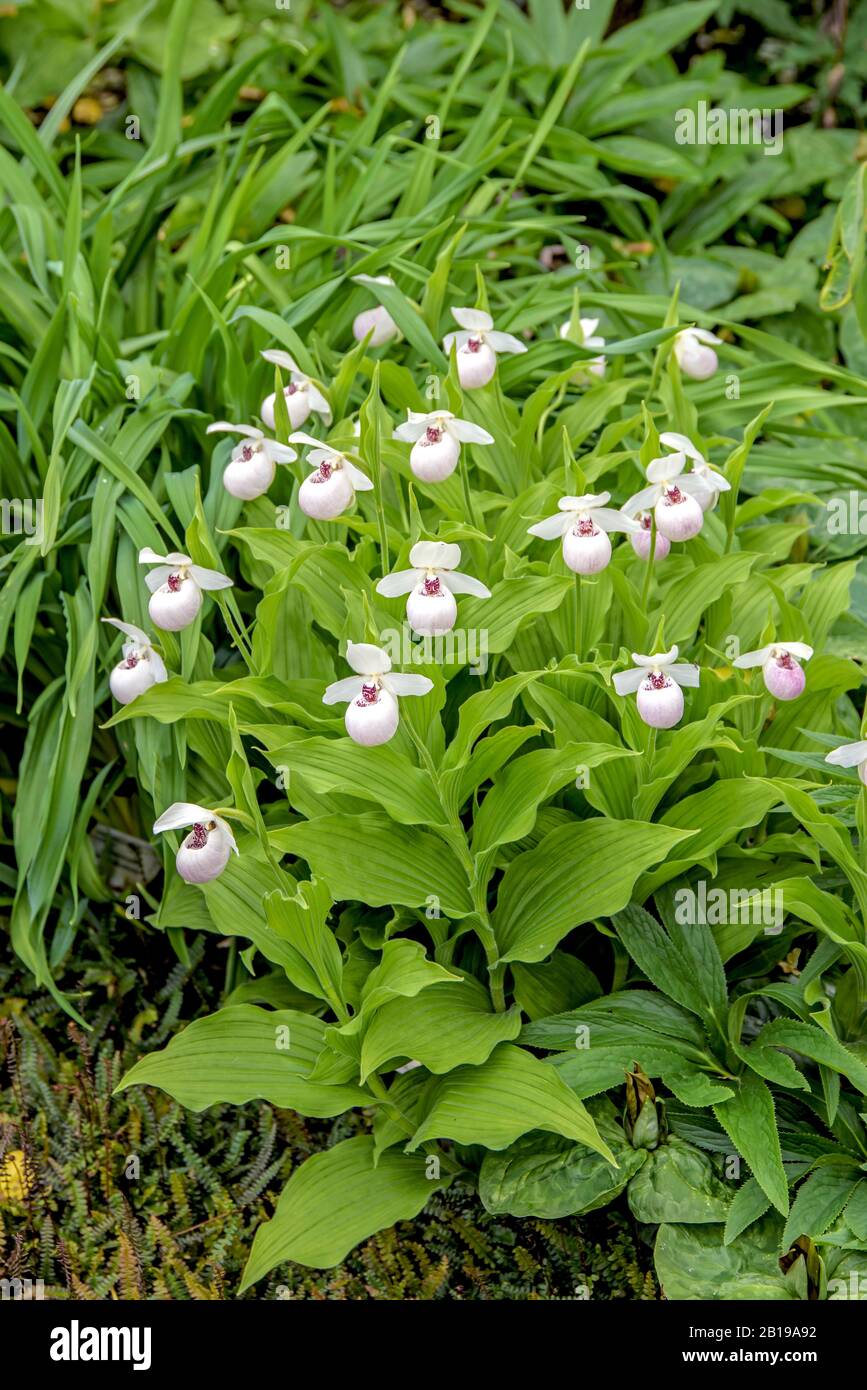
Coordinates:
(473, 914)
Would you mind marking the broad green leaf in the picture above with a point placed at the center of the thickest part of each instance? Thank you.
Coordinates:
(750, 1122)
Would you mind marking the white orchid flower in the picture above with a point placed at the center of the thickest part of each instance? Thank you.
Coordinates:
(714, 480)
(332, 485)
(250, 472)
(436, 439)
(378, 320)
(695, 357)
(584, 523)
(204, 853)
(371, 696)
(478, 344)
(176, 588)
(141, 666)
(589, 339)
(642, 539)
(432, 584)
(781, 670)
(676, 498)
(301, 394)
(657, 681)
(850, 755)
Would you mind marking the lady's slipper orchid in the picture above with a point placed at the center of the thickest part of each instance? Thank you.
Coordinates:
(205, 852)
(436, 439)
(584, 523)
(378, 320)
(300, 394)
(657, 681)
(850, 755)
(332, 485)
(676, 500)
(478, 344)
(588, 339)
(371, 696)
(641, 540)
(140, 668)
(176, 588)
(695, 357)
(781, 670)
(432, 584)
(250, 471)
(713, 480)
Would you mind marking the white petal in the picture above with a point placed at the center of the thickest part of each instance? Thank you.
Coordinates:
(319, 403)
(158, 666)
(847, 755)
(411, 430)
(627, 682)
(131, 630)
(505, 342)
(704, 335)
(157, 578)
(341, 692)
(372, 279)
(754, 658)
(642, 501)
(225, 829)
(280, 453)
(359, 480)
(366, 659)
(180, 814)
(281, 359)
(659, 659)
(585, 503)
(685, 673)
(459, 339)
(681, 444)
(299, 437)
(800, 650)
(401, 582)
(552, 526)
(611, 520)
(224, 427)
(209, 579)
(665, 469)
(435, 555)
(400, 684)
(465, 584)
(468, 433)
(588, 327)
(476, 320)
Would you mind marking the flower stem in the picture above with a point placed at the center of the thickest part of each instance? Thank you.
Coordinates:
(579, 620)
(650, 559)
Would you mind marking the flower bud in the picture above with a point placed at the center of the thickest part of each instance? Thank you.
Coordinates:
(431, 608)
(784, 677)
(695, 358)
(660, 702)
(249, 473)
(203, 855)
(380, 321)
(372, 717)
(679, 517)
(586, 548)
(174, 605)
(326, 493)
(434, 456)
(477, 363)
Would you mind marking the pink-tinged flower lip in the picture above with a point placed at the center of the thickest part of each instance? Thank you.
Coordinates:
(584, 527)
(786, 660)
(246, 453)
(174, 582)
(658, 681)
(432, 585)
(433, 434)
(131, 661)
(646, 520)
(474, 344)
(369, 694)
(673, 495)
(323, 473)
(290, 389)
(199, 837)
